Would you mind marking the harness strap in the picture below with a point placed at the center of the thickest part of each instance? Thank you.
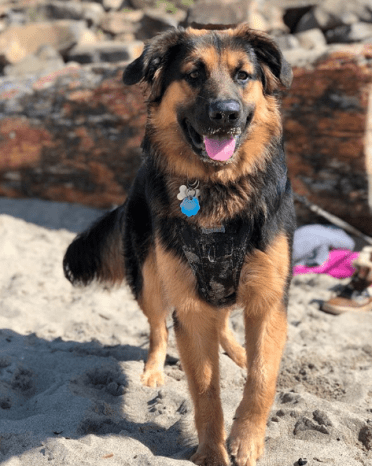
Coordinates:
(216, 260)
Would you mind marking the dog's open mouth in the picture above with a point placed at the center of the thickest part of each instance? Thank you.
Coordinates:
(218, 146)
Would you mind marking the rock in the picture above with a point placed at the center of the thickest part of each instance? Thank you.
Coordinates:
(172, 6)
(46, 60)
(155, 21)
(76, 136)
(311, 39)
(273, 15)
(356, 32)
(112, 4)
(333, 13)
(122, 22)
(302, 58)
(287, 42)
(223, 12)
(293, 15)
(125, 37)
(19, 41)
(88, 37)
(365, 436)
(306, 22)
(4, 8)
(327, 125)
(106, 51)
(90, 11)
(15, 17)
(259, 14)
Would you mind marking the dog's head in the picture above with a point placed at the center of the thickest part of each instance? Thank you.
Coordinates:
(212, 94)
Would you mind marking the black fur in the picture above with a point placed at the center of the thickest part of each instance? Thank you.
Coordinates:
(84, 258)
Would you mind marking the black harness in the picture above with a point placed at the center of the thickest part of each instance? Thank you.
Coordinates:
(216, 257)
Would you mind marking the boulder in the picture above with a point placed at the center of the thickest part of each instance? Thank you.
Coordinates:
(116, 23)
(57, 9)
(45, 60)
(157, 20)
(356, 32)
(112, 4)
(221, 12)
(311, 39)
(328, 125)
(330, 14)
(17, 42)
(105, 51)
(293, 15)
(76, 136)
(172, 6)
(287, 42)
(304, 58)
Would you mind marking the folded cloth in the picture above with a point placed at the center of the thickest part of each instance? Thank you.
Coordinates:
(311, 243)
(339, 265)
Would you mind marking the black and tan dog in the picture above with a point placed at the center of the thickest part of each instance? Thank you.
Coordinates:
(208, 223)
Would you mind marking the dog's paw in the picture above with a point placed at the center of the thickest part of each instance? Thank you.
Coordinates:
(207, 455)
(246, 444)
(152, 378)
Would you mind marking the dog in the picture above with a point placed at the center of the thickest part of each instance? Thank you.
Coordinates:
(208, 223)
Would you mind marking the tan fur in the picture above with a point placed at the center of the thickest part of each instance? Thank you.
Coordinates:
(261, 292)
(234, 57)
(231, 346)
(264, 275)
(154, 307)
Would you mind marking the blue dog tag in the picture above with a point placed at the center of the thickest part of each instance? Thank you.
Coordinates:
(190, 206)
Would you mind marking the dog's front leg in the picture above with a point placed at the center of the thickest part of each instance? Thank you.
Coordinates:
(197, 336)
(265, 339)
(154, 307)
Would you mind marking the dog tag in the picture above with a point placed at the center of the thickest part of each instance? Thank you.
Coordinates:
(184, 192)
(190, 206)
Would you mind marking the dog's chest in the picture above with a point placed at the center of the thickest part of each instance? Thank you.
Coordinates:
(216, 258)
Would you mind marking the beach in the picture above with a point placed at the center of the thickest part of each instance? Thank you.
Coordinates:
(71, 360)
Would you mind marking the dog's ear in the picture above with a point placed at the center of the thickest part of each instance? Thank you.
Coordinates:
(149, 67)
(273, 65)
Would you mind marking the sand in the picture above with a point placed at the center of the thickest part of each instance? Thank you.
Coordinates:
(71, 359)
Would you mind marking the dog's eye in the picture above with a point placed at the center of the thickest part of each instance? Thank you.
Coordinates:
(194, 74)
(242, 76)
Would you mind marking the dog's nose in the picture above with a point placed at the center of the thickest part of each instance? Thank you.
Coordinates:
(224, 111)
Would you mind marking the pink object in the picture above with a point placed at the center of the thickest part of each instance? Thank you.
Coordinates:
(338, 265)
(219, 150)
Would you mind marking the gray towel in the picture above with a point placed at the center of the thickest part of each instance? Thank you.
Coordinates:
(311, 244)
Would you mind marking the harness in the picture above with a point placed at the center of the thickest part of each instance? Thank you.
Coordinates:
(216, 258)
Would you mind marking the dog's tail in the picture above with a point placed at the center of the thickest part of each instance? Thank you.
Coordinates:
(97, 254)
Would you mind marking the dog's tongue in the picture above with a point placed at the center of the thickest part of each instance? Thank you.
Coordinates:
(219, 150)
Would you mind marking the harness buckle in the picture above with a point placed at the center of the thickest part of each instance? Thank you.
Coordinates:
(211, 253)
